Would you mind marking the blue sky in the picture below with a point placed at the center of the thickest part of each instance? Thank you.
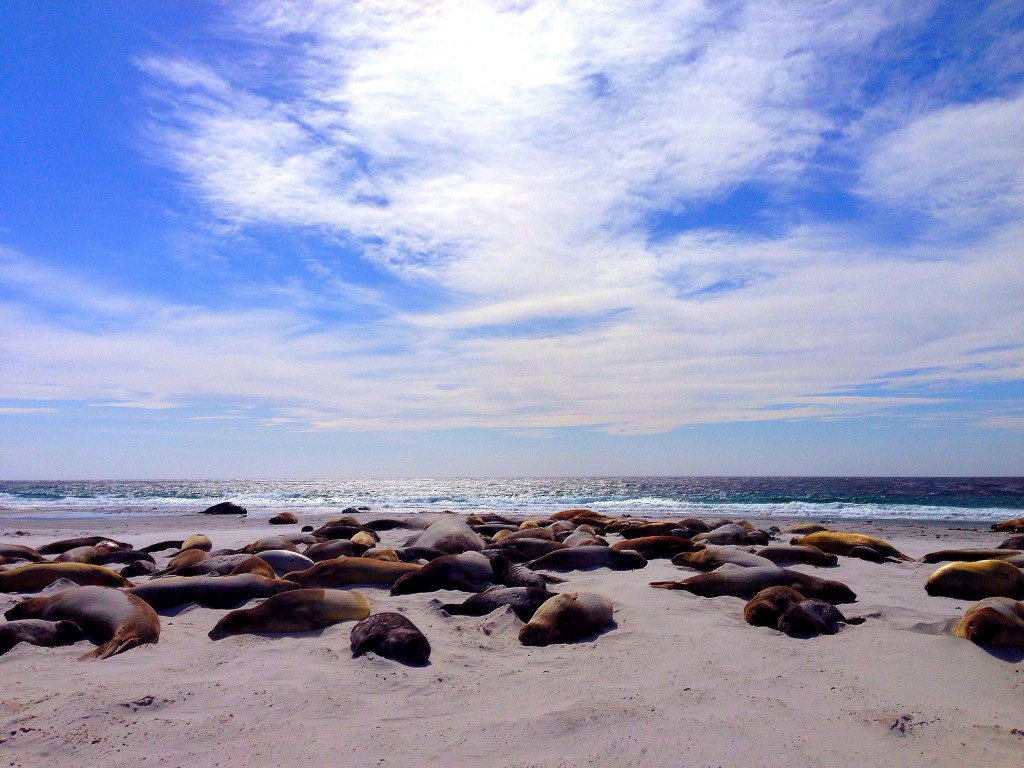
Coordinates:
(399, 239)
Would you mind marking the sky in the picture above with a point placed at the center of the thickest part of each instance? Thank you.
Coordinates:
(399, 239)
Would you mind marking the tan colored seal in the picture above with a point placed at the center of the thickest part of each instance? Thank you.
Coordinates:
(766, 607)
(37, 576)
(119, 620)
(1006, 526)
(993, 621)
(976, 581)
(284, 518)
(344, 571)
(300, 610)
(567, 617)
(841, 543)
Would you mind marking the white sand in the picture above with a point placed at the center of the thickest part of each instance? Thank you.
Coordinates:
(681, 681)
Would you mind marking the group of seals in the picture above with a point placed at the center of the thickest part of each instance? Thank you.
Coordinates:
(790, 612)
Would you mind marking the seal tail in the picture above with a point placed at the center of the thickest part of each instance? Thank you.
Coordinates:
(665, 585)
(117, 644)
(553, 579)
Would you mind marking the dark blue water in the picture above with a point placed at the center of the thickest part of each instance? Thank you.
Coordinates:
(965, 499)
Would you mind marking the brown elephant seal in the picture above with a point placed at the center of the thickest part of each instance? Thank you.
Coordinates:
(841, 544)
(328, 550)
(197, 541)
(209, 591)
(391, 523)
(392, 636)
(252, 564)
(993, 621)
(576, 514)
(524, 533)
(968, 555)
(38, 632)
(805, 528)
(523, 600)
(567, 617)
(528, 548)
(467, 571)
(161, 546)
(514, 575)
(646, 530)
(62, 546)
(583, 558)
(1006, 526)
(742, 582)
(1012, 542)
(976, 581)
(792, 554)
(382, 553)
(732, 533)
(270, 542)
(117, 621)
(365, 538)
(225, 508)
(347, 571)
(813, 617)
(766, 607)
(38, 576)
(655, 547)
(415, 554)
(449, 534)
(284, 518)
(299, 610)
(711, 557)
(12, 552)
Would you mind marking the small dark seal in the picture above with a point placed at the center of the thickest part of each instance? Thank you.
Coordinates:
(392, 636)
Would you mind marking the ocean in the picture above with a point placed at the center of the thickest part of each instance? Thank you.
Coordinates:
(964, 499)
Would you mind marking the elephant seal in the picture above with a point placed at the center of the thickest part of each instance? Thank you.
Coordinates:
(655, 547)
(284, 518)
(299, 610)
(346, 571)
(841, 544)
(117, 621)
(567, 617)
(976, 581)
(123, 556)
(514, 575)
(582, 558)
(968, 555)
(382, 553)
(805, 528)
(284, 561)
(585, 538)
(197, 541)
(328, 550)
(367, 539)
(37, 576)
(1013, 542)
(523, 600)
(225, 508)
(391, 523)
(449, 534)
(993, 621)
(468, 571)
(766, 607)
(731, 533)
(138, 568)
(813, 617)
(412, 554)
(711, 557)
(1006, 526)
(220, 565)
(209, 591)
(575, 514)
(38, 632)
(255, 565)
(161, 546)
(270, 542)
(523, 533)
(747, 582)
(83, 554)
(647, 530)
(17, 552)
(62, 546)
(792, 554)
(531, 549)
(392, 636)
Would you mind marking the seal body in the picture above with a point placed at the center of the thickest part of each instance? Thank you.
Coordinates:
(766, 607)
(793, 554)
(284, 518)
(841, 544)
(711, 557)
(968, 555)
(270, 542)
(581, 558)
(284, 561)
(813, 617)
(468, 571)
(298, 610)
(449, 534)
(655, 547)
(38, 632)
(1006, 526)
(993, 621)
(523, 600)
(392, 636)
(747, 582)
(17, 552)
(328, 550)
(976, 581)
(59, 547)
(209, 591)
(567, 617)
(345, 571)
(118, 621)
(37, 576)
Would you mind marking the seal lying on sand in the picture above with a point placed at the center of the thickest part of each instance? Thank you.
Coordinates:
(38, 632)
(813, 617)
(968, 555)
(18, 552)
(567, 617)
(746, 582)
(37, 576)
(62, 546)
(581, 558)
(523, 600)
(344, 571)
(469, 572)
(843, 543)
(299, 610)
(792, 554)
(117, 620)
(993, 621)
(209, 591)
(766, 607)
(449, 534)
(976, 581)
(1006, 526)
(712, 556)
(392, 636)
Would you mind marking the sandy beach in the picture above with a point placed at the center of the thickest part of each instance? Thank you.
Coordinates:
(678, 680)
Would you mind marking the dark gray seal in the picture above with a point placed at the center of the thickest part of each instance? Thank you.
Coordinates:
(523, 600)
(38, 632)
(468, 571)
(813, 617)
(582, 558)
(392, 636)
(299, 610)
(209, 591)
(449, 534)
